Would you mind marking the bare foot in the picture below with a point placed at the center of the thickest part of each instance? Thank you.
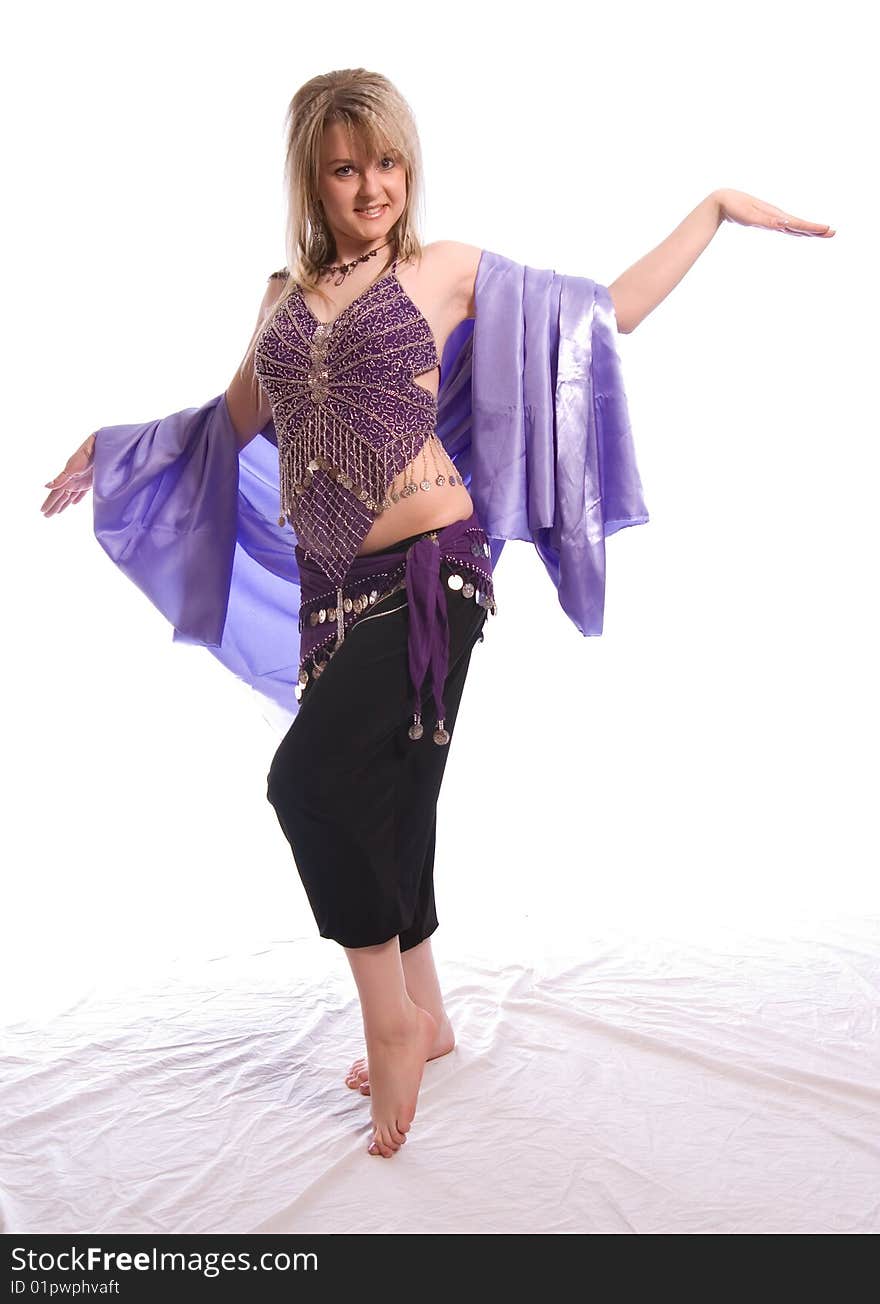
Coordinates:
(397, 1064)
(358, 1076)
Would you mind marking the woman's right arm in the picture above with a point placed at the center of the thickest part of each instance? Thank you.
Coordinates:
(249, 411)
(248, 405)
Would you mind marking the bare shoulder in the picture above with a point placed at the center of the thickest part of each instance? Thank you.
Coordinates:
(277, 282)
(273, 289)
(454, 255)
(455, 264)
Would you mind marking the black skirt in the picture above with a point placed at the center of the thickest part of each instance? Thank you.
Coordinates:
(355, 795)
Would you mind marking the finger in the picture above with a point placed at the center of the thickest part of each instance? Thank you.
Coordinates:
(60, 480)
(800, 226)
(78, 464)
(56, 502)
(70, 481)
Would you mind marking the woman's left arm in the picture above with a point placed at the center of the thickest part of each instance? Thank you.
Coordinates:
(638, 290)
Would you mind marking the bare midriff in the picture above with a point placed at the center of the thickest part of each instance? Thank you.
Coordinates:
(415, 513)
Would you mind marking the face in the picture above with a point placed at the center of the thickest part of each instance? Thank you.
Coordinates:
(349, 184)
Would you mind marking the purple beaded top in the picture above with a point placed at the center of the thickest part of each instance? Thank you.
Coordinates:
(348, 413)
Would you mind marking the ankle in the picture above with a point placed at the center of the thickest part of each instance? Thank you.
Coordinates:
(428, 998)
(441, 1019)
(391, 1023)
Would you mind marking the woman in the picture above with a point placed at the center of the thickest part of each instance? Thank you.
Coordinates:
(344, 366)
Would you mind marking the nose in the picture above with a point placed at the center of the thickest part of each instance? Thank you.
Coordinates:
(375, 188)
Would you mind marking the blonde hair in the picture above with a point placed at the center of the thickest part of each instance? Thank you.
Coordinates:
(378, 117)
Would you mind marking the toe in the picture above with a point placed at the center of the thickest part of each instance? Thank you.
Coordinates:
(378, 1147)
(386, 1139)
(357, 1074)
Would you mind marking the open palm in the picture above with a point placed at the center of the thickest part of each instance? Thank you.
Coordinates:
(73, 482)
(748, 210)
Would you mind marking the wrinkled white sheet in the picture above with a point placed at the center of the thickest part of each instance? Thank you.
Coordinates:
(653, 1083)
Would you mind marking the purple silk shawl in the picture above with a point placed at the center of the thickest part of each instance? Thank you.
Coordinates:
(531, 409)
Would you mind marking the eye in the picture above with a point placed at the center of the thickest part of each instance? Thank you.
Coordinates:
(346, 167)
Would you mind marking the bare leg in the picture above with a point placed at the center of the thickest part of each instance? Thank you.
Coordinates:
(423, 988)
(399, 1034)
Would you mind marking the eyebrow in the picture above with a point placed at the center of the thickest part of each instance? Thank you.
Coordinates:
(384, 154)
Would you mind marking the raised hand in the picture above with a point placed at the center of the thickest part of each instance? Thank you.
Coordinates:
(747, 210)
(73, 482)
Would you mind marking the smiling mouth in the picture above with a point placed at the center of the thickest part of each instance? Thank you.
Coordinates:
(372, 212)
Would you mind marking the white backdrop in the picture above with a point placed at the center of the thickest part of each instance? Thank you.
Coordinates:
(715, 748)
(710, 758)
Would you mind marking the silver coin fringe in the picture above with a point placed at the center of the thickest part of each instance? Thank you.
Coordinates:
(459, 581)
(328, 445)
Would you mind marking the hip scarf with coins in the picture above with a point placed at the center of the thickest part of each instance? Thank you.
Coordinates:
(327, 613)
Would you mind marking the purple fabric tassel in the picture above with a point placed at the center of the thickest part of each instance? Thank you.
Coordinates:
(417, 569)
(429, 626)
